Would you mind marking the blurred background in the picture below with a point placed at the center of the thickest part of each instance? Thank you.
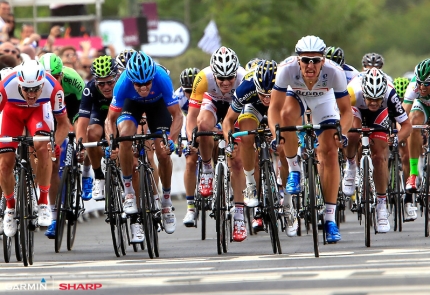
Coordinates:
(271, 28)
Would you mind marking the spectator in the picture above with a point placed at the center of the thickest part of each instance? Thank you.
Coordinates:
(69, 10)
(85, 66)
(4, 13)
(8, 60)
(8, 48)
(68, 56)
(28, 36)
(29, 50)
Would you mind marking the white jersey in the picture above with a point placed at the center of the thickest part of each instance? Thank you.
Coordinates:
(321, 99)
(412, 92)
(350, 72)
(182, 99)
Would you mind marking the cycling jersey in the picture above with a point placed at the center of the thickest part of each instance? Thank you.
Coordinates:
(350, 72)
(331, 85)
(205, 84)
(72, 83)
(412, 92)
(94, 105)
(391, 100)
(182, 99)
(246, 93)
(161, 88)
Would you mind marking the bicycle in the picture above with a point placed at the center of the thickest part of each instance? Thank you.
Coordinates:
(341, 198)
(149, 212)
(269, 207)
(221, 202)
(7, 241)
(25, 194)
(69, 202)
(310, 200)
(366, 198)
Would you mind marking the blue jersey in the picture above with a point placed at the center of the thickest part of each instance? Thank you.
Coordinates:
(246, 93)
(161, 88)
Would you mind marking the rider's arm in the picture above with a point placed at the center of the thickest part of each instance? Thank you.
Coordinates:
(274, 112)
(228, 122)
(405, 130)
(177, 121)
(81, 128)
(63, 127)
(110, 123)
(346, 117)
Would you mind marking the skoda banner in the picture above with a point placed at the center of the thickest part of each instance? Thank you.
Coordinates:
(170, 39)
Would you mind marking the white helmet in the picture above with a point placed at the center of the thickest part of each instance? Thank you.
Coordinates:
(5, 72)
(224, 62)
(30, 73)
(310, 44)
(374, 84)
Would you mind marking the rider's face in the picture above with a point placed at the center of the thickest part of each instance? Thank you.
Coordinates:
(310, 65)
(31, 94)
(225, 84)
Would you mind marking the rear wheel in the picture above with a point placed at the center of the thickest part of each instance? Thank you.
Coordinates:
(146, 216)
(313, 205)
(269, 189)
(72, 220)
(23, 214)
(219, 209)
(366, 197)
(62, 203)
(112, 209)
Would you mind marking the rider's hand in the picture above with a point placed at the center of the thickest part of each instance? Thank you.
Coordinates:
(57, 151)
(107, 152)
(179, 149)
(393, 140)
(231, 150)
(344, 140)
(190, 150)
(81, 155)
(274, 145)
(169, 148)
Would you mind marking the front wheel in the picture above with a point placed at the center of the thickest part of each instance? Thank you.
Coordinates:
(62, 204)
(312, 183)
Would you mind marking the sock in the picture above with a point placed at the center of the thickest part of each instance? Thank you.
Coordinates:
(330, 210)
(86, 171)
(249, 176)
(414, 166)
(128, 187)
(190, 203)
(381, 201)
(207, 166)
(53, 211)
(238, 211)
(44, 190)
(166, 201)
(98, 173)
(10, 201)
(408, 198)
(292, 164)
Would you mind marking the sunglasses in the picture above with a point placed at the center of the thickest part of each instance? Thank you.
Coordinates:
(10, 51)
(137, 84)
(426, 84)
(315, 60)
(31, 89)
(103, 83)
(225, 78)
(377, 99)
(188, 90)
(264, 95)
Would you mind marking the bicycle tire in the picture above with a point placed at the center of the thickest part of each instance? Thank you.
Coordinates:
(226, 222)
(112, 210)
(30, 225)
(145, 212)
(312, 202)
(366, 197)
(72, 218)
(155, 213)
(269, 185)
(22, 209)
(398, 199)
(7, 241)
(426, 195)
(219, 215)
(18, 250)
(391, 192)
(62, 204)
(298, 205)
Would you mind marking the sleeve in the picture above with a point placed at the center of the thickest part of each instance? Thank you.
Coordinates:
(411, 92)
(86, 103)
(3, 98)
(200, 86)
(166, 88)
(395, 108)
(339, 83)
(57, 100)
(80, 86)
(119, 94)
(282, 82)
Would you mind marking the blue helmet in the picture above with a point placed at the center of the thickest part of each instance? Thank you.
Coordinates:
(264, 76)
(140, 68)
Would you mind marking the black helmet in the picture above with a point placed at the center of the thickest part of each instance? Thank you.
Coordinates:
(335, 54)
(187, 77)
(373, 60)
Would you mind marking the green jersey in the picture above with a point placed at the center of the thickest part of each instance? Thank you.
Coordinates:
(73, 86)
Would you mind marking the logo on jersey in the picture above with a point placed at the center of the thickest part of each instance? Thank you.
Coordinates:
(60, 100)
(74, 82)
(382, 119)
(309, 93)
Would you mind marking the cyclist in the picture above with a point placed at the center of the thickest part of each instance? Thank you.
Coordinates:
(337, 55)
(123, 57)
(308, 80)
(183, 94)
(374, 60)
(417, 94)
(145, 87)
(374, 101)
(252, 63)
(211, 97)
(24, 96)
(73, 86)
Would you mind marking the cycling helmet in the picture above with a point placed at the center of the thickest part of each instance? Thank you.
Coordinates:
(5, 72)
(52, 63)
(187, 77)
(140, 68)
(224, 62)
(422, 71)
(264, 76)
(104, 66)
(401, 84)
(372, 60)
(123, 57)
(374, 84)
(335, 54)
(252, 63)
(31, 73)
(310, 44)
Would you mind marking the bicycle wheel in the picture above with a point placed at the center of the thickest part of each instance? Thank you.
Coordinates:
(425, 189)
(146, 216)
(23, 213)
(155, 213)
(75, 205)
(391, 191)
(297, 200)
(17, 242)
(269, 186)
(398, 192)
(312, 182)
(7, 241)
(226, 222)
(219, 209)
(112, 210)
(62, 203)
(366, 198)
(30, 224)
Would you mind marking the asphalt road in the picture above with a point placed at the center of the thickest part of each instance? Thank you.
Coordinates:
(396, 263)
